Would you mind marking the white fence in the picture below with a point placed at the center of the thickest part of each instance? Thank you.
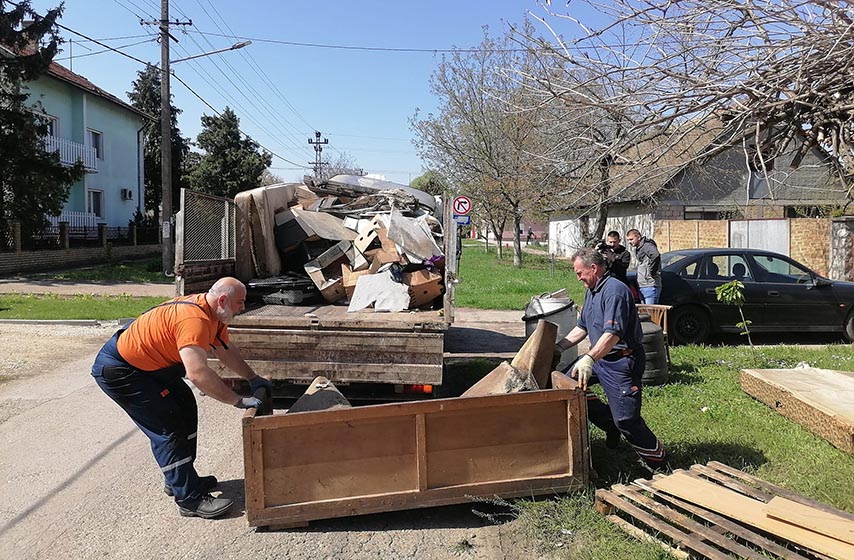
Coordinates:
(70, 152)
(75, 219)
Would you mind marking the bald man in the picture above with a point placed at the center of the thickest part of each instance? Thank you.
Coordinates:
(142, 369)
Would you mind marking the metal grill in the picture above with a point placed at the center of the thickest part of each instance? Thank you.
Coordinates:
(207, 225)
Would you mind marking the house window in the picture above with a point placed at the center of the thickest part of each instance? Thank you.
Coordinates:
(52, 125)
(96, 203)
(96, 140)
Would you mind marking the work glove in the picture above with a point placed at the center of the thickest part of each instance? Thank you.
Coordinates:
(257, 382)
(583, 370)
(248, 402)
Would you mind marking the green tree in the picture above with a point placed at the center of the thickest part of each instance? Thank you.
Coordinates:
(232, 162)
(433, 183)
(33, 183)
(732, 293)
(146, 97)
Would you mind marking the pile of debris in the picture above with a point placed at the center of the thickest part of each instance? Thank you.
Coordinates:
(349, 239)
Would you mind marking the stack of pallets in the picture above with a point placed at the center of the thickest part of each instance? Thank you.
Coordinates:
(716, 511)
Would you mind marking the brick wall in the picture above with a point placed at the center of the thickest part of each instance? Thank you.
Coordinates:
(32, 261)
(712, 233)
(809, 242)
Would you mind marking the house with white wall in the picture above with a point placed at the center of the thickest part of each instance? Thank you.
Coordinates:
(94, 126)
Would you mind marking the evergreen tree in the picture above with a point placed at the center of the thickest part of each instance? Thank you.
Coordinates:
(146, 97)
(232, 162)
(33, 183)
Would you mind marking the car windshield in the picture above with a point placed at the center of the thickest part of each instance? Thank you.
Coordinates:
(669, 260)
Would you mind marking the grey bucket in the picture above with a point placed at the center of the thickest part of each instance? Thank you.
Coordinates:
(555, 308)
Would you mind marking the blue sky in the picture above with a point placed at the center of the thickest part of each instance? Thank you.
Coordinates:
(360, 100)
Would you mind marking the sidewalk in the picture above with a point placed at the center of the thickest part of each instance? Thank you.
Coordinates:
(32, 286)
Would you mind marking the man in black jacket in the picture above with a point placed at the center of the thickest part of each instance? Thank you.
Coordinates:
(617, 256)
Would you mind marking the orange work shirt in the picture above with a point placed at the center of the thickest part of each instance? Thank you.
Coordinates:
(153, 340)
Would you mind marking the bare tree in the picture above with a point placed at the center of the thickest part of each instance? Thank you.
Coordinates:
(663, 83)
(343, 164)
(488, 135)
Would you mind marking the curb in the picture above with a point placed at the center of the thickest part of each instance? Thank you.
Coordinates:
(68, 322)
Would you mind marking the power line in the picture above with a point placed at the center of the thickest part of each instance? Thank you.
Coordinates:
(149, 40)
(212, 108)
(356, 47)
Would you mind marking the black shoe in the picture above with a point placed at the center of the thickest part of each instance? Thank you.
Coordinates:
(612, 439)
(206, 484)
(205, 506)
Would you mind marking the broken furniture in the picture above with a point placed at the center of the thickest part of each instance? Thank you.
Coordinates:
(323, 464)
(716, 511)
(821, 400)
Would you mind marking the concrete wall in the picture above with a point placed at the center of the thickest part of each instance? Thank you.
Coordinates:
(565, 231)
(28, 261)
(842, 249)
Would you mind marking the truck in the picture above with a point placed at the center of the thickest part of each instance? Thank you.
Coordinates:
(296, 326)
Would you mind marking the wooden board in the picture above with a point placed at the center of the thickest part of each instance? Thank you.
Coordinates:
(351, 461)
(700, 527)
(747, 510)
(341, 356)
(811, 518)
(821, 400)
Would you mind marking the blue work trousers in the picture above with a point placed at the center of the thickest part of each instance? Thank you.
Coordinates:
(161, 405)
(621, 380)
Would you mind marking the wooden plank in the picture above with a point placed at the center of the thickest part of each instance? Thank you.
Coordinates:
(335, 317)
(391, 501)
(421, 450)
(740, 531)
(684, 539)
(820, 400)
(687, 523)
(641, 535)
(459, 405)
(731, 483)
(748, 510)
(320, 395)
(779, 490)
(535, 356)
(430, 374)
(296, 345)
(810, 518)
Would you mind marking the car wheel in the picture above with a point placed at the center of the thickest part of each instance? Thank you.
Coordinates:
(848, 331)
(690, 325)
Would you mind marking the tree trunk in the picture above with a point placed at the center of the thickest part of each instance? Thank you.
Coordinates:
(517, 241)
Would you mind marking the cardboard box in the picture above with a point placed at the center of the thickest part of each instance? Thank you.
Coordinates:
(350, 277)
(424, 287)
(325, 271)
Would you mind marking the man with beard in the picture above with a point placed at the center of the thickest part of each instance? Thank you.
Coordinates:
(142, 368)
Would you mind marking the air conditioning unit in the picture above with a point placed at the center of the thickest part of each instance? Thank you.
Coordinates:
(127, 194)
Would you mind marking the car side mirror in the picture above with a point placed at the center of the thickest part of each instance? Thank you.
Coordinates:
(819, 282)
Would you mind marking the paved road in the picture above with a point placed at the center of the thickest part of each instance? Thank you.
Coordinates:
(22, 285)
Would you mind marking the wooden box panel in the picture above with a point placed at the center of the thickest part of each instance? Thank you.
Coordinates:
(821, 400)
(353, 461)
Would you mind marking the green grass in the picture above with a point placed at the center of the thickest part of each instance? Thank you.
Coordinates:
(490, 283)
(703, 415)
(148, 270)
(50, 306)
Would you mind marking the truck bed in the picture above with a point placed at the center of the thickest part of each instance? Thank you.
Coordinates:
(299, 343)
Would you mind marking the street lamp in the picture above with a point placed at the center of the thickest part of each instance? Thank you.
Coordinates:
(166, 136)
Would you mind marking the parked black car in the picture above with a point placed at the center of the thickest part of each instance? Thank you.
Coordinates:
(781, 295)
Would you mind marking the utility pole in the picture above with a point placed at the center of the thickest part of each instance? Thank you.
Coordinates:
(166, 141)
(318, 148)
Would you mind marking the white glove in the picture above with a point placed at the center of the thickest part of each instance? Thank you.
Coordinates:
(583, 370)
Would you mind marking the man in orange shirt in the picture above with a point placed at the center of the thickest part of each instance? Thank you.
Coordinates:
(142, 368)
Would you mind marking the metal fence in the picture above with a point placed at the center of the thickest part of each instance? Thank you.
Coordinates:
(205, 226)
(50, 237)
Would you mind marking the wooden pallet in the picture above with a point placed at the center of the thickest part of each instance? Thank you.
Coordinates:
(686, 529)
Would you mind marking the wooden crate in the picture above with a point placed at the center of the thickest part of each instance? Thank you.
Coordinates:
(821, 400)
(334, 463)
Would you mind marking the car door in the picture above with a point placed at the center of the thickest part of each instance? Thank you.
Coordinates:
(718, 269)
(793, 300)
